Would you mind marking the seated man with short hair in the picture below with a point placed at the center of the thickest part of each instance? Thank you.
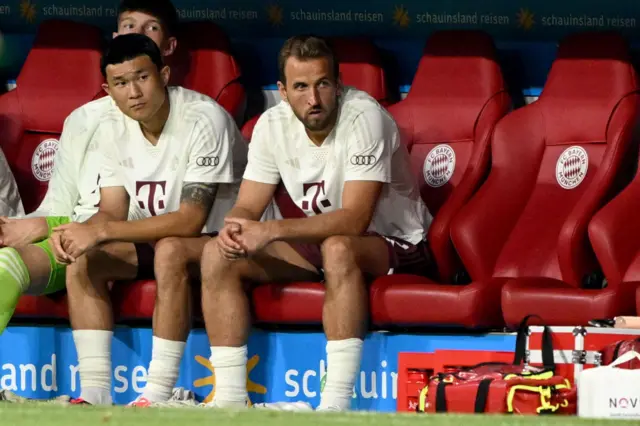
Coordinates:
(27, 263)
(340, 157)
(180, 156)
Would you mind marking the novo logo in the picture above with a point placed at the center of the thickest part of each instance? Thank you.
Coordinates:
(624, 402)
(207, 161)
(363, 160)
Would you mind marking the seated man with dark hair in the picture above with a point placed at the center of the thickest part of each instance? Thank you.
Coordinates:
(179, 155)
(27, 262)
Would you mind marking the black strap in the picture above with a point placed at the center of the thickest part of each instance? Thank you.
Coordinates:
(548, 360)
(441, 397)
(616, 351)
(482, 396)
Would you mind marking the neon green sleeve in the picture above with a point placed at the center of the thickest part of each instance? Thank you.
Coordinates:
(53, 221)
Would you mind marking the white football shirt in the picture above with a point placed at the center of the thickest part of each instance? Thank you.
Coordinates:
(73, 188)
(200, 142)
(10, 201)
(364, 145)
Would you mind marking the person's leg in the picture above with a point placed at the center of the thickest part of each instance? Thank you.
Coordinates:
(346, 262)
(29, 270)
(91, 313)
(225, 306)
(177, 260)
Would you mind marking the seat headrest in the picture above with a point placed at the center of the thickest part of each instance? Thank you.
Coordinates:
(361, 66)
(592, 72)
(203, 61)
(456, 78)
(61, 73)
(458, 63)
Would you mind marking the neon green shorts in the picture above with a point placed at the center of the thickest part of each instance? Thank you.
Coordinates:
(57, 276)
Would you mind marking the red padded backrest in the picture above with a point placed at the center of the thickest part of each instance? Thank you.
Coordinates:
(361, 66)
(457, 96)
(457, 77)
(61, 73)
(554, 163)
(203, 62)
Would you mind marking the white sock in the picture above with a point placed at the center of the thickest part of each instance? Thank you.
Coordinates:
(343, 363)
(163, 369)
(230, 369)
(94, 362)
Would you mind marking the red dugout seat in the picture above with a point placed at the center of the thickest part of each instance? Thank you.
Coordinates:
(61, 72)
(447, 119)
(457, 96)
(582, 130)
(203, 62)
(301, 303)
(553, 163)
(615, 235)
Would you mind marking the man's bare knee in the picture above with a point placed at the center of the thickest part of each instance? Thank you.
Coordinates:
(338, 255)
(170, 265)
(170, 253)
(80, 273)
(215, 267)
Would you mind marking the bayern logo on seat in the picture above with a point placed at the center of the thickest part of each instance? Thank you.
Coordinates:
(43, 159)
(439, 165)
(572, 167)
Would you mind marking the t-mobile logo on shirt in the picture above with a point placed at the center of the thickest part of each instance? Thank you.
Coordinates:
(316, 201)
(154, 198)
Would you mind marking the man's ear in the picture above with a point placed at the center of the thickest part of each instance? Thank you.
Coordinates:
(105, 87)
(170, 46)
(165, 72)
(283, 91)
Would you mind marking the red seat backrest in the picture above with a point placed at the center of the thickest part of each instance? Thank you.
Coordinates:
(203, 62)
(457, 96)
(361, 66)
(554, 162)
(61, 73)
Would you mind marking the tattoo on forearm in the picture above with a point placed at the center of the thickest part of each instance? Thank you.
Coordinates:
(201, 194)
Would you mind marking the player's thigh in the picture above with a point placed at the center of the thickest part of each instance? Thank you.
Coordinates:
(283, 262)
(372, 254)
(113, 261)
(46, 274)
(278, 262)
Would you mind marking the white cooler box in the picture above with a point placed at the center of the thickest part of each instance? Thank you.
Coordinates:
(610, 392)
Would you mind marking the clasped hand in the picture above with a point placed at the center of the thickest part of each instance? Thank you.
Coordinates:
(72, 240)
(242, 238)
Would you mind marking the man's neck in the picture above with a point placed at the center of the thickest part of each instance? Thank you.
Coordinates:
(152, 129)
(318, 137)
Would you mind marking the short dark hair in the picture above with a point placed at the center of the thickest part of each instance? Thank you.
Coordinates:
(130, 46)
(307, 47)
(163, 10)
